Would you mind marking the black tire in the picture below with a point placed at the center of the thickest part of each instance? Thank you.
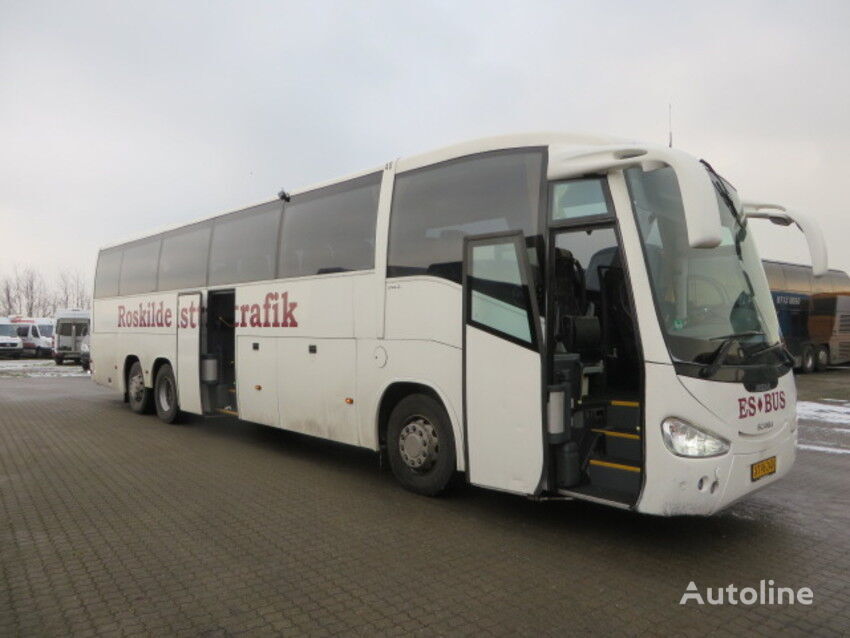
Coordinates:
(58, 360)
(808, 360)
(139, 397)
(821, 358)
(17, 355)
(421, 445)
(165, 395)
(85, 366)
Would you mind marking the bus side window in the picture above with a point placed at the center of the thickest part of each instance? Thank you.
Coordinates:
(244, 245)
(138, 268)
(434, 208)
(331, 229)
(108, 272)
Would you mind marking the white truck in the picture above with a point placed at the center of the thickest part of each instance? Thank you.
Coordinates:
(11, 345)
(36, 333)
(71, 332)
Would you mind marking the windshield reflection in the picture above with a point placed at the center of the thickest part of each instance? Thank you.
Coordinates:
(705, 297)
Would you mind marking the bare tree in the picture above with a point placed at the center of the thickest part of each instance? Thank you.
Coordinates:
(32, 291)
(71, 291)
(8, 295)
(24, 291)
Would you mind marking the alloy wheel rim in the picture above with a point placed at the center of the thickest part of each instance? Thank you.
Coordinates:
(419, 444)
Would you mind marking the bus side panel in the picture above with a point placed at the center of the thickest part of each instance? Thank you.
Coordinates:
(839, 350)
(102, 344)
(435, 365)
(311, 321)
(103, 354)
(317, 387)
(424, 308)
(143, 326)
(256, 379)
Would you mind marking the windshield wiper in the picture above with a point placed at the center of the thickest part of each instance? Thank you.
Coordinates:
(786, 355)
(739, 335)
(723, 351)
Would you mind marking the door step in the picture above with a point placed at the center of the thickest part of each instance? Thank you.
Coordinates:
(621, 444)
(616, 474)
(601, 495)
(227, 412)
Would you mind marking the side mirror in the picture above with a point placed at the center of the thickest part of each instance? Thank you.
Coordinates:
(702, 213)
(785, 217)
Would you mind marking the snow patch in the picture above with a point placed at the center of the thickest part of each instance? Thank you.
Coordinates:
(822, 412)
(822, 448)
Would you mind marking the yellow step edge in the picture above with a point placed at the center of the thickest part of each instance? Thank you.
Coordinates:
(614, 466)
(626, 404)
(228, 412)
(619, 435)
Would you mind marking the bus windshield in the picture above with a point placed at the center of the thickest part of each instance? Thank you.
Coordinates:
(713, 303)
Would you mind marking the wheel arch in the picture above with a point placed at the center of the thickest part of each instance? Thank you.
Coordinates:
(397, 390)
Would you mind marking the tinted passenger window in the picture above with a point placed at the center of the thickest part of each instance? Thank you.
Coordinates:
(578, 198)
(498, 296)
(183, 260)
(108, 272)
(435, 207)
(138, 269)
(331, 229)
(244, 245)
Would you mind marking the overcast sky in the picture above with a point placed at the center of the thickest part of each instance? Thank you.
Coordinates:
(117, 118)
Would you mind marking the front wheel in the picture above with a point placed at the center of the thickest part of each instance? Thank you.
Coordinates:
(420, 445)
(165, 395)
(808, 364)
(58, 360)
(138, 396)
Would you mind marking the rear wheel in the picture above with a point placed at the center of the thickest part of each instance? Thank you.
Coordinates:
(808, 364)
(821, 358)
(138, 396)
(58, 360)
(420, 445)
(165, 395)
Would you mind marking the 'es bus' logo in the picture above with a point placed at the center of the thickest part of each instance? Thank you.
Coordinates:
(768, 402)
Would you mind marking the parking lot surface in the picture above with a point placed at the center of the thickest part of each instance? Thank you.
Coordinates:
(113, 523)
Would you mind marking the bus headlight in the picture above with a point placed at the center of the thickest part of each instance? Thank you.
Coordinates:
(685, 439)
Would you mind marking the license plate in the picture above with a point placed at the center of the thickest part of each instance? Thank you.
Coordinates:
(763, 468)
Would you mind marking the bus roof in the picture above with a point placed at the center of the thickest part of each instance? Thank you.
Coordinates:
(790, 263)
(446, 153)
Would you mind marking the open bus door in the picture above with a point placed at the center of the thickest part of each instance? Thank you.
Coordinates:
(503, 400)
(189, 352)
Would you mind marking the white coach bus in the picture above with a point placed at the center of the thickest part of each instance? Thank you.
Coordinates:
(552, 315)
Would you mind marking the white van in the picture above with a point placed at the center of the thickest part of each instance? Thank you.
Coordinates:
(36, 334)
(10, 343)
(70, 332)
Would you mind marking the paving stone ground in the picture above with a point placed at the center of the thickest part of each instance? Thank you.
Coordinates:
(116, 524)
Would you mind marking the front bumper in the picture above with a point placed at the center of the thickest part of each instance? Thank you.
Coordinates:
(705, 486)
(11, 352)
